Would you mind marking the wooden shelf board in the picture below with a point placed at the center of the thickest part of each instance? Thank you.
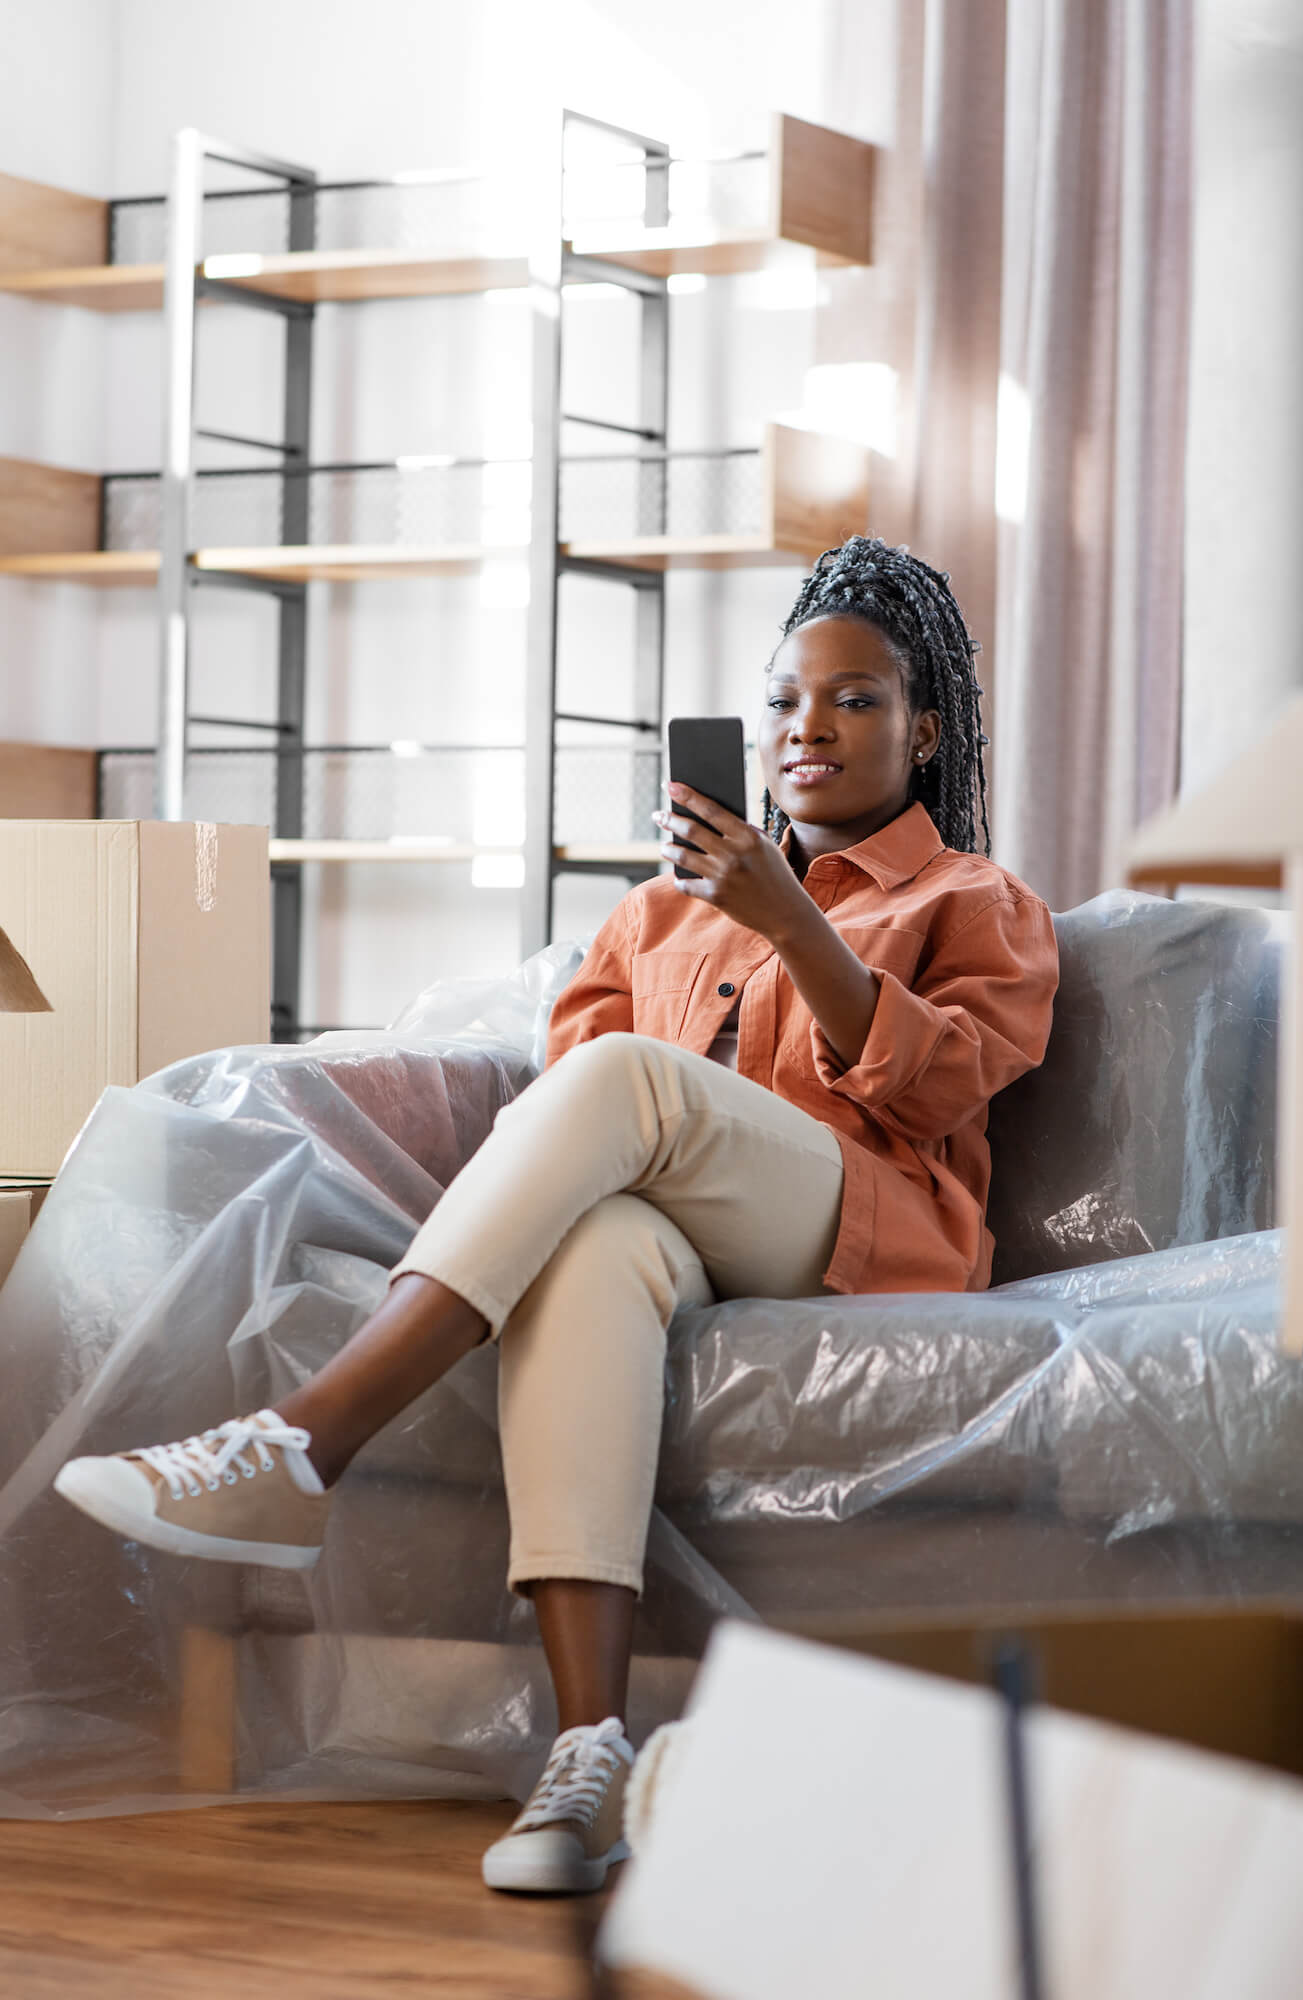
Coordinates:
(351, 563)
(1208, 872)
(360, 563)
(323, 276)
(312, 276)
(378, 850)
(101, 287)
(691, 552)
(663, 253)
(352, 276)
(99, 566)
(641, 852)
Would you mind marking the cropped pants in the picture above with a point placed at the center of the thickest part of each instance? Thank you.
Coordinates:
(629, 1179)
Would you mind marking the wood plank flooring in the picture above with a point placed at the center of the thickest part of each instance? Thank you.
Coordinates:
(336, 1902)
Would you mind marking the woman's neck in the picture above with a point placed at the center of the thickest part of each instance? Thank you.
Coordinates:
(809, 842)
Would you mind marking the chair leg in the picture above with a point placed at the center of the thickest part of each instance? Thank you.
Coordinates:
(207, 1719)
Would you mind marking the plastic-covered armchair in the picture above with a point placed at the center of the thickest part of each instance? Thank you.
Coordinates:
(1113, 1420)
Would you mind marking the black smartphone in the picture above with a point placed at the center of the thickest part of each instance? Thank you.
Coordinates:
(708, 753)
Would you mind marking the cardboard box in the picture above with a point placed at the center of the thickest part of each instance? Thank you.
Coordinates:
(1218, 1674)
(148, 941)
(19, 992)
(20, 1202)
(833, 1824)
(46, 781)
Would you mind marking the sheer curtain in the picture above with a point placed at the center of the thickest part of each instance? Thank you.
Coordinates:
(1030, 297)
(1093, 374)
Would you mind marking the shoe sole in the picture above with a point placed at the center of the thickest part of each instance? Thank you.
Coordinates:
(177, 1541)
(540, 1878)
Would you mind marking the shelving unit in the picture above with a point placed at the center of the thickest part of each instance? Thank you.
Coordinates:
(819, 193)
(656, 509)
(353, 792)
(632, 853)
(805, 486)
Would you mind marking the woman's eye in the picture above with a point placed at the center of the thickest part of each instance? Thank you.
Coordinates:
(777, 701)
(858, 701)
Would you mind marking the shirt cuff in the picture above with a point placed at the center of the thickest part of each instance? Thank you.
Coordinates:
(901, 1042)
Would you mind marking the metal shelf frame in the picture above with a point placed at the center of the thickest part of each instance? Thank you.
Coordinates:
(183, 288)
(553, 265)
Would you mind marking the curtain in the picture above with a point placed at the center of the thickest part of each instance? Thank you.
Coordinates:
(1093, 379)
(1030, 297)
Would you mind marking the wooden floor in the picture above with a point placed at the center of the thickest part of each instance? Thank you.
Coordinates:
(336, 1902)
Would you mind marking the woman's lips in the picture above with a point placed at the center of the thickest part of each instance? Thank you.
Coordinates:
(811, 774)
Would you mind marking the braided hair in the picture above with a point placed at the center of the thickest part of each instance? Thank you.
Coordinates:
(915, 610)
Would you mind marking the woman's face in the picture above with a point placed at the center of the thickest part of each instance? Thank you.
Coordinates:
(838, 742)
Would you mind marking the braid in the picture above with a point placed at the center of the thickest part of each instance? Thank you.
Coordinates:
(915, 610)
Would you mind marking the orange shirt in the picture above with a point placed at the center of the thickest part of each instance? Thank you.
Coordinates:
(968, 967)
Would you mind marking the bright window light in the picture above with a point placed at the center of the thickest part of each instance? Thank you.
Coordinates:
(497, 871)
(684, 232)
(680, 283)
(1013, 449)
(506, 434)
(504, 504)
(504, 583)
(787, 288)
(497, 805)
(424, 461)
(853, 399)
(598, 290)
(232, 266)
(436, 176)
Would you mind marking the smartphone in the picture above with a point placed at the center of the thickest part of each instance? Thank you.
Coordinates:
(708, 753)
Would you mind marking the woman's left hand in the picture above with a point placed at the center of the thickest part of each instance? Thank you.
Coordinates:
(739, 869)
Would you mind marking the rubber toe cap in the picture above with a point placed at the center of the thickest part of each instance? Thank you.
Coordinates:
(547, 1858)
(115, 1481)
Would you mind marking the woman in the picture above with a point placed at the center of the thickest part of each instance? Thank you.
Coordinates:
(770, 1079)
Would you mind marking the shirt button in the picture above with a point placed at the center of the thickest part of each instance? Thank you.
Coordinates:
(727, 990)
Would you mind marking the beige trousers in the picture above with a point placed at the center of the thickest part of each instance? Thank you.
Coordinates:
(629, 1179)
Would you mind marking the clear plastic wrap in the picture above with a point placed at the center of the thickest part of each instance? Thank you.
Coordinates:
(1123, 1429)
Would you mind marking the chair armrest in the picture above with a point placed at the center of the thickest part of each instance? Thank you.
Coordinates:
(363, 1097)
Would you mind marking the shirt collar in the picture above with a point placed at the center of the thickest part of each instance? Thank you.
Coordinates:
(894, 854)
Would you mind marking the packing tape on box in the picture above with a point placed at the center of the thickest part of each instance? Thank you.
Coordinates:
(205, 864)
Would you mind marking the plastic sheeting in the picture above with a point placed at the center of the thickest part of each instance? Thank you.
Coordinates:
(1125, 1429)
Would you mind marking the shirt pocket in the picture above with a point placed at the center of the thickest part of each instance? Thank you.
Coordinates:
(662, 984)
(885, 948)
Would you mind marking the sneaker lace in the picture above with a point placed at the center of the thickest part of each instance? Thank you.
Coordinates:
(575, 1777)
(214, 1455)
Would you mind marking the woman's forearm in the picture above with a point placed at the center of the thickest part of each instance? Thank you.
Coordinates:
(840, 992)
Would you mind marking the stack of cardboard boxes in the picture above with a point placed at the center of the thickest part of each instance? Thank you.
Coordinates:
(125, 945)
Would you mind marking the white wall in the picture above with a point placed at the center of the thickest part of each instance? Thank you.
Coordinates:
(58, 62)
(357, 89)
(1244, 468)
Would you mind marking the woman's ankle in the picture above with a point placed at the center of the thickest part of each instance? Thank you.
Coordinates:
(323, 1452)
(593, 1722)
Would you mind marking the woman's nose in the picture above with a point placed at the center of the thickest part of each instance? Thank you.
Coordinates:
(809, 726)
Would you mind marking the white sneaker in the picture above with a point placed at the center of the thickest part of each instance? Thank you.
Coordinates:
(245, 1492)
(569, 1831)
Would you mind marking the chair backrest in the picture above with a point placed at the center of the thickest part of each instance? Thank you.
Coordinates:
(1153, 1118)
